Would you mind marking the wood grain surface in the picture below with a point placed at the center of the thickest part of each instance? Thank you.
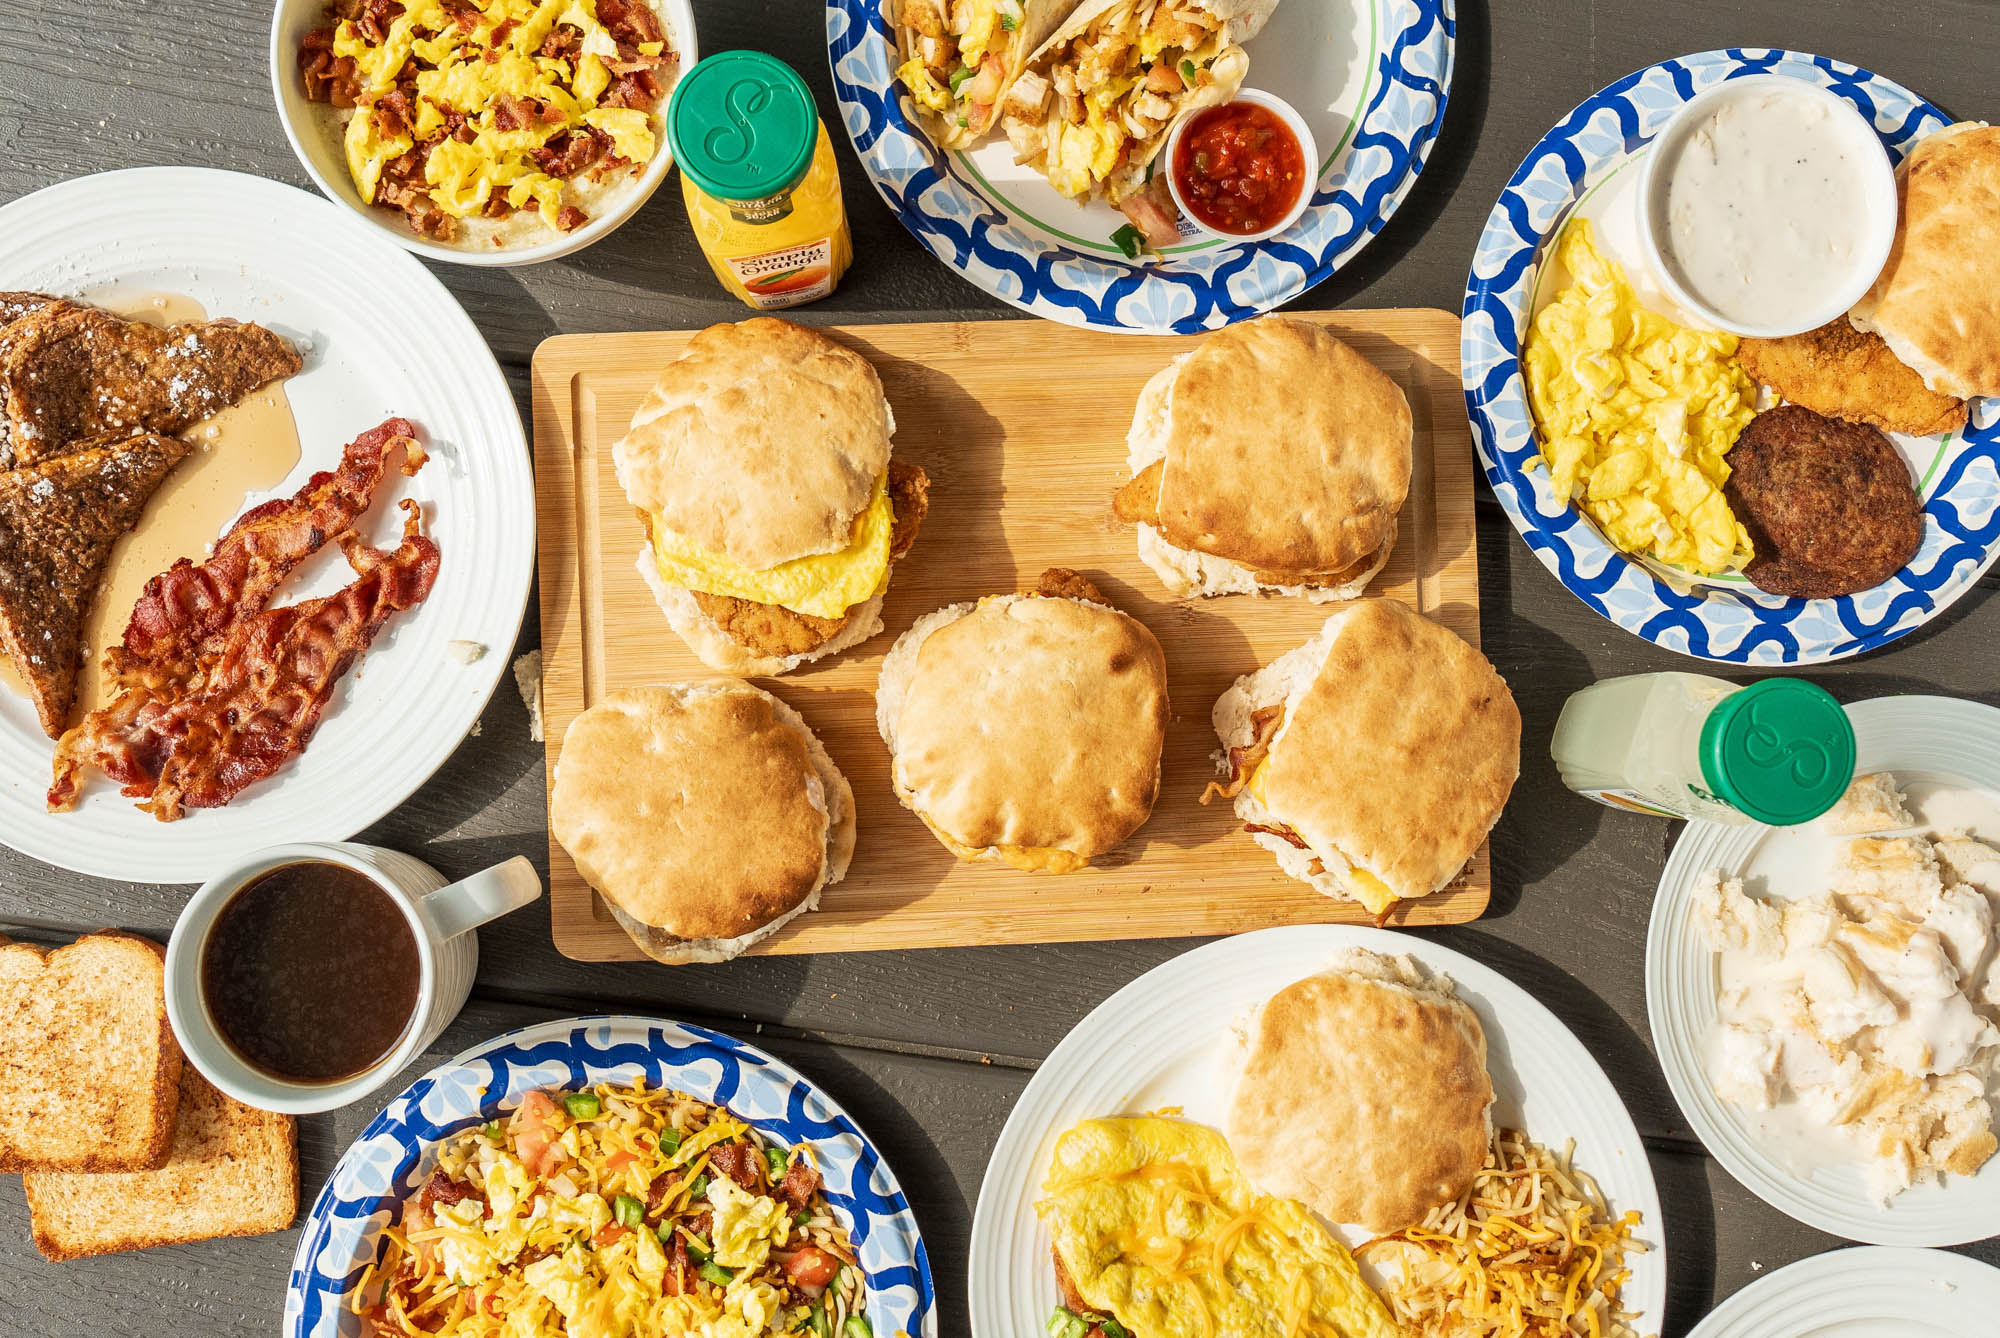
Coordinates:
(1021, 428)
(928, 1048)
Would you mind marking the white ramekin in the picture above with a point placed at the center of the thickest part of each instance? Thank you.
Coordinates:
(316, 140)
(441, 918)
(1308, 150)
(1876, 177)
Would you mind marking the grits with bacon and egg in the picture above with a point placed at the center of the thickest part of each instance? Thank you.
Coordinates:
(492, 123)
(615, 1212)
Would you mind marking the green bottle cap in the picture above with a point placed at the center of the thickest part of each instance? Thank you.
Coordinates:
(1780, 751)
(742, 125)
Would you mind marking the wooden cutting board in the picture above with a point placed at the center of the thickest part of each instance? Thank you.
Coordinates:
(1021, 426)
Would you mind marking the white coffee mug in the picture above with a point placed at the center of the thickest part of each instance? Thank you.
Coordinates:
(442, 920)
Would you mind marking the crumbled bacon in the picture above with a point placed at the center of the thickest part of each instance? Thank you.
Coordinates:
(210, 689)
(569, 218)
(1244, 760)
(801, 1182)
(740, 1162)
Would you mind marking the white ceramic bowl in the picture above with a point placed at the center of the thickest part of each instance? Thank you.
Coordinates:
(315, 138)
(1875, 180)
(1307, 149)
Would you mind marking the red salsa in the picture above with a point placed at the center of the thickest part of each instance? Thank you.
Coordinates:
(1239, 167)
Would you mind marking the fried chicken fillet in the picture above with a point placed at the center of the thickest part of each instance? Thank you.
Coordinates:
(1845, 373)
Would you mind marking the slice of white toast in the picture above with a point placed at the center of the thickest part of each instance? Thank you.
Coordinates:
(89, 1069)
(234, 1172)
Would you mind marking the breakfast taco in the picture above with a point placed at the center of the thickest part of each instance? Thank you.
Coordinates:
(1095, 104)
(956, 59)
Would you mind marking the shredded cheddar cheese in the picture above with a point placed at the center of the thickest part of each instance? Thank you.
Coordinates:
(1531, 1251)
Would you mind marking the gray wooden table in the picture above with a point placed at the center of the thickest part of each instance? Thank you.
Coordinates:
(929, 1049)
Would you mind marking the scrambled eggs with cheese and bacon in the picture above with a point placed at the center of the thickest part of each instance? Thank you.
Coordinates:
(1157, 1232)
(615, 1212)
(1636, 415)
(462, 110)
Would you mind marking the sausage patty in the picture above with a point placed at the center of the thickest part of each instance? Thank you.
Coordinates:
(1829, 504)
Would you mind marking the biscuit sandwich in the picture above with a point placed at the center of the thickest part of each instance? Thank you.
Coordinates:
(1374, 759)
(708, 815)
(1027, 728)
(760, 467)
(1935, 302)
(1362, 1092)
(1273, 459)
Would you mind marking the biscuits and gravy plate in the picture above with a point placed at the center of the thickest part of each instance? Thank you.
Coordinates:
(175, 245)
(1701, 458)
(988, 198)
(1302, 1076)
(1822, 997)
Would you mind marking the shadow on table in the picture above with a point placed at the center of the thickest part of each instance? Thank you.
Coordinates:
(1544, 825)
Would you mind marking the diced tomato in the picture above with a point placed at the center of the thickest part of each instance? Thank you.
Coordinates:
(610, 1235)
(618, 1161)
(534, 1133)
(811, 1267)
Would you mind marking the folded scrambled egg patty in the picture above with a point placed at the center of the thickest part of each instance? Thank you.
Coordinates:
(822, 585)
(469, 73)
(1156, 1226)
(1635, 415)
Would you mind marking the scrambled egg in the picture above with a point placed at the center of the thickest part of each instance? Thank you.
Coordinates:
(464, 176)
(1635, 415)
(824, 585)
(1159, 1229)
(746, 1225)
(1082, 155)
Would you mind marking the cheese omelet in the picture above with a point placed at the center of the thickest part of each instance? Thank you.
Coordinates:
(1156, 1227)
(822, 585)
(468, 72)
(1635, 416)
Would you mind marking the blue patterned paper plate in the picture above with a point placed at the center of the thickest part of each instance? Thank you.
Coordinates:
(1717, 619)
(392, 1156)
(1371, 79)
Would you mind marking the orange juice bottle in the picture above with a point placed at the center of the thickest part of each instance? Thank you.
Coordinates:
(758, 176)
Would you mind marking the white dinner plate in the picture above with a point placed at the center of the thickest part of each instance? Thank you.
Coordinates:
(1926, 742)
(1371, 80)
(1161, 1041)
(381, 338)
(1871, 1291)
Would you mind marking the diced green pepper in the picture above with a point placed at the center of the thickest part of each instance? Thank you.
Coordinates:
(857, 1326)
(665, 1231)
(1189, 72)
(717, 1274)
(959, 76)
(628, 1211)
(1064, 1324)
(1129, 240)
(1008, 23)
(583, 1105)
(700, 1187)
(818, 1321)
(777, 1161)
(1112, 1328)
(803, 1216)
(670, 1140)
(492, 1129)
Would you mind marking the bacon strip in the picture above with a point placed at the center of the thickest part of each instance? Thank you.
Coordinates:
(201, 635)
(270, 685)
(1264, 724)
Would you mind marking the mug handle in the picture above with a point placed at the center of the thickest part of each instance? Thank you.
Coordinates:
(487, 895)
